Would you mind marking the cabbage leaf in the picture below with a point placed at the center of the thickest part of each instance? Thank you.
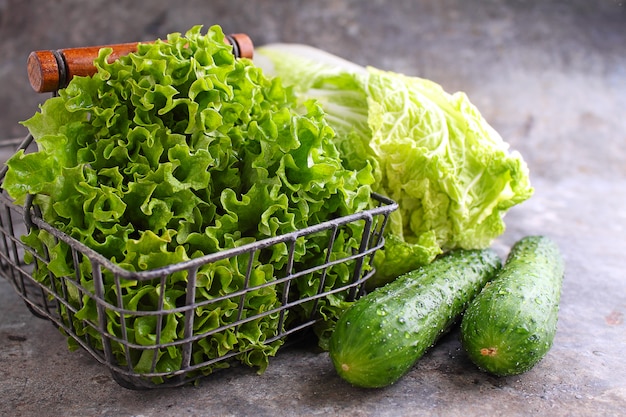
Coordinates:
(452, 175)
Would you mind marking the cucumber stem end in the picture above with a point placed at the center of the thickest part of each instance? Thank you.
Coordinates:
(492, 351)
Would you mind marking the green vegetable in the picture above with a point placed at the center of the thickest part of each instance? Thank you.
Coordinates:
(510, 325)
(177, 151)
(381, 336)
(450, 172)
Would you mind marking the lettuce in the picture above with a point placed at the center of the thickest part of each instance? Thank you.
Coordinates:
(450, 172)
(177, 151)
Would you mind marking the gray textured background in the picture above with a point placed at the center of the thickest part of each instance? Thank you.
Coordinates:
(541, 72)
(549, 76)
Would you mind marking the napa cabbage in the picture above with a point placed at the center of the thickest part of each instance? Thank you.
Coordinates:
(451, 173)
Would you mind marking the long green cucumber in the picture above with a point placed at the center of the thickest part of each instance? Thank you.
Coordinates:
(511, 324)
(381, 336)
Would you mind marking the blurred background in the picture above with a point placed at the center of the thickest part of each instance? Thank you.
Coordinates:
(543, 73)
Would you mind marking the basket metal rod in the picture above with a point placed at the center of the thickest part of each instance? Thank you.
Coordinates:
(25, 143)
(246, 284)
(37, 221)
(190, 297)
(331, 243)
(365, 239)
(287, 286)
(123, 328)
(9, 243)
(96, 273)
(159, 323)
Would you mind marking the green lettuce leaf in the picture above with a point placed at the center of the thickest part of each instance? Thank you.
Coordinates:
(177, 151)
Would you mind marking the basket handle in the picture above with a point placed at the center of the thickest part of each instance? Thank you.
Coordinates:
(49, 71)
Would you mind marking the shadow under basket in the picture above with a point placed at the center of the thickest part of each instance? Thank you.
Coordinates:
(172, 325)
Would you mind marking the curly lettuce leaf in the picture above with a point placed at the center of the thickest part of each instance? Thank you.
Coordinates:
(177, 151)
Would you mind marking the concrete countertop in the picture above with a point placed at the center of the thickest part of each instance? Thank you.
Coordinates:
(552, 80)
(583, 374)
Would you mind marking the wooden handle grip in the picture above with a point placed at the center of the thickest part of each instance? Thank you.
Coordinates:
(50, 70)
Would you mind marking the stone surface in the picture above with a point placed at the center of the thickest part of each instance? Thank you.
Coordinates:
(549, 76)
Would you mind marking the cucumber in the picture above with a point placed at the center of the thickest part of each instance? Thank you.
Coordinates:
(510, 325)
(381, 336)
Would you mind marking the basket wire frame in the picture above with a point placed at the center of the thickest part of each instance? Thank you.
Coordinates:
(59, 299)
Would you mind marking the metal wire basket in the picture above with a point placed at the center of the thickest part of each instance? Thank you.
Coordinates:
(110, 332)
